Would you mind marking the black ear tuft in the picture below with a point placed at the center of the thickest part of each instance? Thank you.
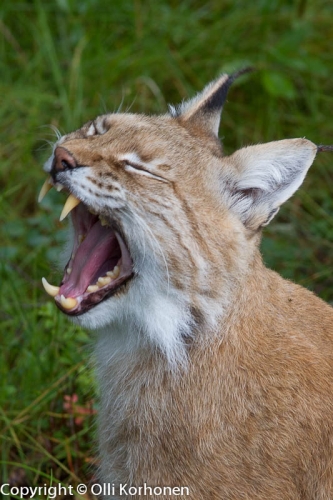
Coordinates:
(204, 110)
(216, 101)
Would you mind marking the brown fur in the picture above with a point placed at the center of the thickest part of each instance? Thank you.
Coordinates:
(250, 414)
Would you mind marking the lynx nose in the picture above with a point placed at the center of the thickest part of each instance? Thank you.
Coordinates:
(63, 160)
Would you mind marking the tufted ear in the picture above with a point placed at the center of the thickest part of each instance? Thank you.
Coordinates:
(204, 110)
(262, 177)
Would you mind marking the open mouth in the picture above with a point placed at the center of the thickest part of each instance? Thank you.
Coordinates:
(99, 265)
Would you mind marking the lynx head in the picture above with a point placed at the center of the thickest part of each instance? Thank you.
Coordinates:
(164, 225)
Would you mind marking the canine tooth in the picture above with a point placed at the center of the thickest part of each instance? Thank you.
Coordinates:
(69, 270)
(92, 288)
(71, 203)
(45, 188)
(67, 302)
(50, 289)
(103, 280)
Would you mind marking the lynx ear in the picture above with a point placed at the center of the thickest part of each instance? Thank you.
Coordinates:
(204, 110)
(265, 176)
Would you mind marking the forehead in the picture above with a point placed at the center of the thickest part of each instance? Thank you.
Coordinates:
(146, 135)
(118, 127)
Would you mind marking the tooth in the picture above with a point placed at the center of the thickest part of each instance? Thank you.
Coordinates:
(71, 203)
(103, 221)
(45, 188)
(116, 272)
(68, 302)
(50, 289)
(69, 270)
(92, 288)
(81, 238)
(59, 187)
(102, 281)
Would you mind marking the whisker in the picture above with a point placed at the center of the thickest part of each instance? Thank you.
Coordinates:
(57, 132)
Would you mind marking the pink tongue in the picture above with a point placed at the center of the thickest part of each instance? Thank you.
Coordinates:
(99, 246)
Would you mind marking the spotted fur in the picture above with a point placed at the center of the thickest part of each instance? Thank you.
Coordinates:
(215, 373)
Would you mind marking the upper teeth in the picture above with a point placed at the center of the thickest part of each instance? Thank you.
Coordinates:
(71, 203)
(48, 184)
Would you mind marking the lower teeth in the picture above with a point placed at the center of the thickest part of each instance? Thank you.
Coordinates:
(104, 281)
(68, 302)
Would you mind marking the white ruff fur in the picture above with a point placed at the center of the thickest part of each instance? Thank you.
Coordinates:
(196, 353)
(144, 316)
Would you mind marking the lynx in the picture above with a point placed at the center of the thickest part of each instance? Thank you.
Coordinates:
(216, 374)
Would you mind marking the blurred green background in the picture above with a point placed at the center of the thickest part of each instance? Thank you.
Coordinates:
(65, 61)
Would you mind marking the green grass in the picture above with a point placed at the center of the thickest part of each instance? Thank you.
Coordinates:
(63, 62)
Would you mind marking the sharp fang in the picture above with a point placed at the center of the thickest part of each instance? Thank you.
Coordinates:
(92, 288)
(71, 203)
(50, 289)
(45, 188)
(102, 281)
(68, 302)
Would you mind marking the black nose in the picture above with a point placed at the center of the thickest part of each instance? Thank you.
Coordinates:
(63, 160)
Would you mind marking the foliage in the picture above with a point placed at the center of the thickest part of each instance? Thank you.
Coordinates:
(63, 62)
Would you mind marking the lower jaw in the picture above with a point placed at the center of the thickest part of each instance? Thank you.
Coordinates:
(88, 302)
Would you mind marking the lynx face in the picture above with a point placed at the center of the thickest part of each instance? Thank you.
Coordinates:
(163, 223)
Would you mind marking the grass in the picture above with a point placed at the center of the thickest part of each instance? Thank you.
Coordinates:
(63, 62)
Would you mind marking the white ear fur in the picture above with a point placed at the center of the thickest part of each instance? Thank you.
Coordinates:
(265, 176)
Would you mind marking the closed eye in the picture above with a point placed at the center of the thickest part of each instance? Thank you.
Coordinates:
(131, 166)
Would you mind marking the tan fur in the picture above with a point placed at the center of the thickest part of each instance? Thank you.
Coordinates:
(249, 414)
